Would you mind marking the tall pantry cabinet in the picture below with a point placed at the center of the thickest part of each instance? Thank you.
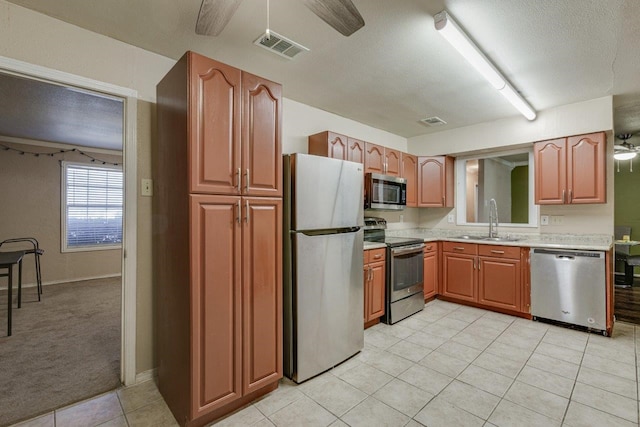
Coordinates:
(217, 238)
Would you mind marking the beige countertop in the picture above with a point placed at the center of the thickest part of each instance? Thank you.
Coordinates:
(599, 242)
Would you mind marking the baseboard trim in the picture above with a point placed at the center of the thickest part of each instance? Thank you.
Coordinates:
(57, 282)
(146, 375)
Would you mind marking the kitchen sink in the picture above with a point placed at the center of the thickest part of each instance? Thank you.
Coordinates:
(467, 237)
(499, 239)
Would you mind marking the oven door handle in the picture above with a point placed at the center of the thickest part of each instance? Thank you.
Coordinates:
(408, 249)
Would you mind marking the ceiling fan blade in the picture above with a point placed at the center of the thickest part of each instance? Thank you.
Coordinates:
(340, 14)
(214, 16)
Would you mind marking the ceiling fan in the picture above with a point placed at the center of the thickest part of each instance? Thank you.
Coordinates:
(625, 151)
(342, 15)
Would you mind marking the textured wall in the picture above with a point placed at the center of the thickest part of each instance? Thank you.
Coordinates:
(31, 206)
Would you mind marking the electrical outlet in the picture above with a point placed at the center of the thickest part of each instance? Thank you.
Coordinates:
(450, 219)
(556, 219)
(401, 218)
(544, 219)
(146, 187)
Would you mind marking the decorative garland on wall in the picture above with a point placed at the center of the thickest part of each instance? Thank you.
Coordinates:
(58, 152)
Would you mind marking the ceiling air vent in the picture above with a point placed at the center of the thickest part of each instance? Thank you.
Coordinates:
(433, 121)
(280, 45)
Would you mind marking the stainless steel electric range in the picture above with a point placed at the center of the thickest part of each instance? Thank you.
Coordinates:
(404, 271)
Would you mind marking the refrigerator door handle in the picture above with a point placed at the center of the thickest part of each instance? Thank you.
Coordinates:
(325, 232)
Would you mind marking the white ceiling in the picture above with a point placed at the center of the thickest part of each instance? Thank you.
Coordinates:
(397, 69)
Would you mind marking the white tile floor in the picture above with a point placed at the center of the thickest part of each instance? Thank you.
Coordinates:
(449, 365)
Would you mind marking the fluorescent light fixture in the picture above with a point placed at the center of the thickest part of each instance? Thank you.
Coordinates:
(625, 155)
(452, 32)
(516, 100)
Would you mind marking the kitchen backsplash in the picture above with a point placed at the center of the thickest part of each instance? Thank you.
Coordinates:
(400, 220)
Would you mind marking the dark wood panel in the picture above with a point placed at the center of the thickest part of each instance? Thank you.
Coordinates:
(627, 303)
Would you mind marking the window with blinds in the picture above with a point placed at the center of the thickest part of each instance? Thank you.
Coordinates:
(91, 207)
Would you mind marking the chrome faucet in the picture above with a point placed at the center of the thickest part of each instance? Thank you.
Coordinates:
(493, 218)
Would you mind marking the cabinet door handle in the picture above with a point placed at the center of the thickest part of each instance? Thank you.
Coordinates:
(443, 201)
(571, 196)
(458, 248)
(246, 218)
(246, 185)
(377, 256)
(428, 247)
(369, 274)
(563, 191)
(496, 252)
(239, 175)
(478, 265)
(474, 263)
(239, 212)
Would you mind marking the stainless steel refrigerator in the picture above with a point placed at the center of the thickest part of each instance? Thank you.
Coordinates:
(323, 263)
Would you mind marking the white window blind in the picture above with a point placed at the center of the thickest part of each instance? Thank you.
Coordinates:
(92, 206)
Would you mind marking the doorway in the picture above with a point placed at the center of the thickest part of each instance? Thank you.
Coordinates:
(627, 208)
(126, 257)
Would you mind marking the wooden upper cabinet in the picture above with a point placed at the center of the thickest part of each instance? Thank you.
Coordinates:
(329, 144)
(262, 302)
(214, 126)
(392, 162)
(261, 137)
(409, 171)
(435, 181)
(355, 150)
(373, 158)
(550, 172)
(571, 170)
(586, 168)
(216, 295)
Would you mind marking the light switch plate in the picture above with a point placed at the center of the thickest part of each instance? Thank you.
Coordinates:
(544, 219)
(450, 219)
(146, 188)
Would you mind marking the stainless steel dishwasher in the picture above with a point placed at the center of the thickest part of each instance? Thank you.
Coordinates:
(569, 286)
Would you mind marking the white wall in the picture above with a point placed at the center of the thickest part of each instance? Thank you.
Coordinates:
(301, 120)
(573, 119)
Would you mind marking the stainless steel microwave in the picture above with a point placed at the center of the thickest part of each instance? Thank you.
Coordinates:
(384, 192)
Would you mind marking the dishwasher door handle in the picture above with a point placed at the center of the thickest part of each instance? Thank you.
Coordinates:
(569, 257)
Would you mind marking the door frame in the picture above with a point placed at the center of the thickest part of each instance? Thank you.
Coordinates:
(129, 153)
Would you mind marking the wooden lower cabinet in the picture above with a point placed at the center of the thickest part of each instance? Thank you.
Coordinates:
(262, 292)
(431, 270)
(499, 283)
(488, 275)
(459, 270)
(235, 300)
(374, 284)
